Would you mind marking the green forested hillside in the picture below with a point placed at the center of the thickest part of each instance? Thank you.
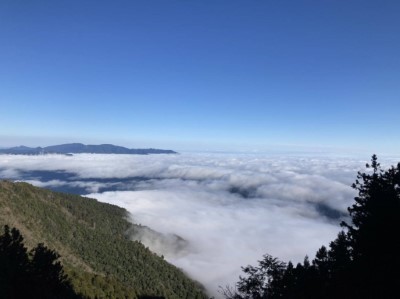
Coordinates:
(91, 238)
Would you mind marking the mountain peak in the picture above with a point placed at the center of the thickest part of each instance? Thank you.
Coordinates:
(80, 148)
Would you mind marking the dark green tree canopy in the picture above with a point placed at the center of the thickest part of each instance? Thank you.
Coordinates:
(38, 274)
(362, 262)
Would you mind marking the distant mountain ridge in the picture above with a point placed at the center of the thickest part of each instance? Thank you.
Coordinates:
(79, 148)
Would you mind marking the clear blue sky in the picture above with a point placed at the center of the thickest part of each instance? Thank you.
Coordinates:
(208, 74)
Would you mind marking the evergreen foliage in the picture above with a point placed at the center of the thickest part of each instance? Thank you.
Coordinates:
(34, 275)
(96, 252)
(362, 262)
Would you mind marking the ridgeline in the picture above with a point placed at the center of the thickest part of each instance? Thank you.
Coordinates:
(79, 148)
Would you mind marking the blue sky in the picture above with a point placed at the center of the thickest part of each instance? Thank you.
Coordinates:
(219, 75)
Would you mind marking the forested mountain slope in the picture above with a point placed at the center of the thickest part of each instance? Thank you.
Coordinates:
(91, 237)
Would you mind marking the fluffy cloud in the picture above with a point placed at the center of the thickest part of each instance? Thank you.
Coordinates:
(230, 208)
(224, 231)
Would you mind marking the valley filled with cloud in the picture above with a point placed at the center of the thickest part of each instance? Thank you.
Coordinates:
(212, 213)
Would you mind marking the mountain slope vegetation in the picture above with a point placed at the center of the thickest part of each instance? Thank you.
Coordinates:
(91, 238)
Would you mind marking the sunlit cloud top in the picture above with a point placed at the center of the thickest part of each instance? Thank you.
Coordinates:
(230, 209)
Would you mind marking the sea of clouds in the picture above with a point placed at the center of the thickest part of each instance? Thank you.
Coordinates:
(216, 212)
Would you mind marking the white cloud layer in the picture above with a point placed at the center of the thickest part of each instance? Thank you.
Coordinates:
(231, 208)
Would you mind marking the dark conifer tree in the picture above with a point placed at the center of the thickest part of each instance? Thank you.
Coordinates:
(363, 262)
(289, 282)
(49, 280)
(38, 275)
(339, 284)
(374, 232)
(13, 264)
